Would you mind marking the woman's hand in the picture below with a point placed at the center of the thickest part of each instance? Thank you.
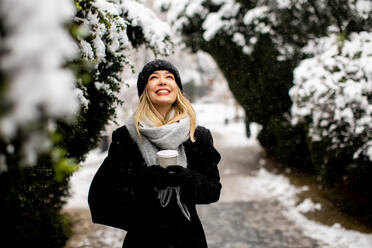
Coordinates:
(178, 175)
(154, 175)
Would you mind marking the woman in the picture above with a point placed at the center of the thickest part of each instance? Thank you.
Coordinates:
(130, 191)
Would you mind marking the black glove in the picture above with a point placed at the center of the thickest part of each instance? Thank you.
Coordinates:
(178, 176)
(154, 176)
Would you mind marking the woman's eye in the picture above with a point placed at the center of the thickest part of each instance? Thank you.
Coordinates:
(170, 77)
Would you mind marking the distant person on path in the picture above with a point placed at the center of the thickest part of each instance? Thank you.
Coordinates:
(130, 191)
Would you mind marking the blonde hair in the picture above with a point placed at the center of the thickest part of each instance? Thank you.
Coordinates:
(182, 108)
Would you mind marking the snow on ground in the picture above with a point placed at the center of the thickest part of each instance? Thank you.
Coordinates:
(264, 185)
(214, 117)
(80, 180)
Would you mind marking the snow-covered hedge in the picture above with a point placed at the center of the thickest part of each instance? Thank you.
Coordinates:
(35, 85)
(246, 22)
(61, 64)
(332, 92)
(38, 89)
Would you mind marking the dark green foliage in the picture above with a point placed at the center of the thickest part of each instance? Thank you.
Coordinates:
(287, 144)
(31, 200)
(85, 133)
(135, 35)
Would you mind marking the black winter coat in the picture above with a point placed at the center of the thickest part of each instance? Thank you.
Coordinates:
(116, 199)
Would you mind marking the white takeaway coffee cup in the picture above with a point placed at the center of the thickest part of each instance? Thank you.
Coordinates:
(167, 157)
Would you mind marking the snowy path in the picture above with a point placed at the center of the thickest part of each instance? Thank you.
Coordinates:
(245, 216)
(256, 209)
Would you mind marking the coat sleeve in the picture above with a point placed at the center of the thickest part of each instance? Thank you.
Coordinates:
(110, 193)
(203, 185)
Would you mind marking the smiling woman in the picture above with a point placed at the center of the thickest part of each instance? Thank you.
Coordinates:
(130, 191)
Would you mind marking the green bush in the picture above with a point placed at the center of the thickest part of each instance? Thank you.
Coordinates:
(287, 144)
(31, 200)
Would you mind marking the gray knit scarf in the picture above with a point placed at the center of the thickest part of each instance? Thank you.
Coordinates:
(170, 136)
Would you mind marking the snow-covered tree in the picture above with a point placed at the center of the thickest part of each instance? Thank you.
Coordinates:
(256, 45)
(266, 47)
(61, 64)
(113, 29)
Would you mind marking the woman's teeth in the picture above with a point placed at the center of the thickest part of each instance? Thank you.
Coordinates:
(162, 92)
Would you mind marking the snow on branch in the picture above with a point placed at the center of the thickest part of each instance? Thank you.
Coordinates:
(108, 43)
(226, 16)
(156, 32)
(108, 22)
(34, 49)
(333, 91)
(363, 8)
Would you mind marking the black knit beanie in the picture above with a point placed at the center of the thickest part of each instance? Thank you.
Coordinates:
(155, 65)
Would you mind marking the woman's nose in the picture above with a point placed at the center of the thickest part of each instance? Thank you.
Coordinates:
(162, 81)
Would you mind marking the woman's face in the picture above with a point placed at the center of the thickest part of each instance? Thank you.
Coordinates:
(162, 88)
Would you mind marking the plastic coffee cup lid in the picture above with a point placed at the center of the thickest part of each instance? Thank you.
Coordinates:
(167, 153)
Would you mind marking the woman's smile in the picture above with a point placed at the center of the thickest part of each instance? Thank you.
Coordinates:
(163, 92)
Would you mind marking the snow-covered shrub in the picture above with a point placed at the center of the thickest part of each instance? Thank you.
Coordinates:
(56, 95)
(37, 90)
(332, 93)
